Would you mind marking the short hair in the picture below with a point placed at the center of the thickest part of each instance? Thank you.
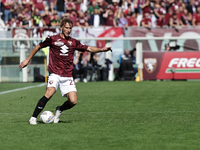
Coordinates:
(66, 20)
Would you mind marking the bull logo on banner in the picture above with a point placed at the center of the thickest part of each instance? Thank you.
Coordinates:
(150, 64)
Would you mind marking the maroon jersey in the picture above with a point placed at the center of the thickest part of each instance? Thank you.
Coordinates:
(61, 54)
(146, 21)
(81, 20)
(132, 21)
(197, 19)
(39, 4)
(109, 20)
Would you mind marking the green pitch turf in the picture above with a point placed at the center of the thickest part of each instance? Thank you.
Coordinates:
(147, 115)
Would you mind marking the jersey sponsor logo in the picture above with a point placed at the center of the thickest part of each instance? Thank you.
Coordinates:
(70, 43)
(64, 50)
(184, 65)
(59, 43)
(150, 64)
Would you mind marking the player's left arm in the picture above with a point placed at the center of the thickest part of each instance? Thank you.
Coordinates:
(96, 50)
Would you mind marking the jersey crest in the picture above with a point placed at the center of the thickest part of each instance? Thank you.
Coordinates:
(70, 43)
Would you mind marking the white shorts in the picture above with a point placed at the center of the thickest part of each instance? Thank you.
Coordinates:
(66, 84)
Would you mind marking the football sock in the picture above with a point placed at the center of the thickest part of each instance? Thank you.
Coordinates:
(40, 106)
(66, 105)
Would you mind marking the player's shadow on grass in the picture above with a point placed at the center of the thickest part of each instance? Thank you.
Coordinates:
(39, 122)
(65, 122)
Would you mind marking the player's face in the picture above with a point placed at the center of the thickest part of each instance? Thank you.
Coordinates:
(66, 29)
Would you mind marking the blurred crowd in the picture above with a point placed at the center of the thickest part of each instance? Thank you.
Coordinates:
(94, 13)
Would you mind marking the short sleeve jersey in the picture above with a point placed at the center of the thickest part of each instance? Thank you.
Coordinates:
(61, 54)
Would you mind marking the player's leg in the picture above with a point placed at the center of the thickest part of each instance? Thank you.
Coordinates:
(71, 102)
(68, 89)
(41, 104)
(51, 89)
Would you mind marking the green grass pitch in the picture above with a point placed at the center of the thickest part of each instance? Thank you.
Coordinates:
(125, 115)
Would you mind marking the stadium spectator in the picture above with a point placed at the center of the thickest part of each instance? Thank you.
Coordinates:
(11, 23)
(128, 4)
(146, 8)
(92, 65)
(91, 7)
(25, 13)
(52, 8)
(114, 6)
(36, 19)
(167, 48)
(83, 6)
(109, 17)
(40, 5)
(146, 21)
(159, 9)
(16, 8)
(73, 16)
(77, 5)
(191, 7)
(132, 20)
(69, 6)
(179, 12)
(60, 6)
(82, 21)
(126, 56)
(121, 19)
(60, 68)
(46, 16)
(55, 22)
(21, 21)
(186, 18)
(128, 12)
(80, 67)
(140, 3)
(168, 16)
(6, 9)
(96, 19)
(173, 4)
(160, 22)
(196, 18)
(27, 4)
(102, 5)
(174, 21)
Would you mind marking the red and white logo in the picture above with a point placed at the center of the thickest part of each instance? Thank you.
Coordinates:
(150, 64)
(70, 43)
(51, 82)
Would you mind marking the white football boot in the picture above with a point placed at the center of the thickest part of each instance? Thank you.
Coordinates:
(33, 120)
(57, 115)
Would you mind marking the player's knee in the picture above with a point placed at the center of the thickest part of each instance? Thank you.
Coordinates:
(49, 92)
(73, 101)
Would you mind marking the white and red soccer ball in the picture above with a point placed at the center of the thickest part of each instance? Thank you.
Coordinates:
(47, 117)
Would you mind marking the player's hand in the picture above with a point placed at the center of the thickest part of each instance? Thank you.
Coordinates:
(107, 49)
(23, 64)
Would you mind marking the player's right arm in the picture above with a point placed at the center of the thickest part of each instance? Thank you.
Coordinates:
(45, 43)
(27, 60)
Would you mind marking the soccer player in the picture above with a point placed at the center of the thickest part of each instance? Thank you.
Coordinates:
(61, 55)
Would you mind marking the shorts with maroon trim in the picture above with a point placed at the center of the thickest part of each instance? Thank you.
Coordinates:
(65, 84)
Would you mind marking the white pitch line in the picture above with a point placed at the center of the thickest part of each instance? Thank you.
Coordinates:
(24, 88)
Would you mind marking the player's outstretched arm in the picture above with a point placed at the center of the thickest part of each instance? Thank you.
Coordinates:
(26, 61)
(96, 50)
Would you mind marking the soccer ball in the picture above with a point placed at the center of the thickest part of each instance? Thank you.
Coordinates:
(47, 117)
